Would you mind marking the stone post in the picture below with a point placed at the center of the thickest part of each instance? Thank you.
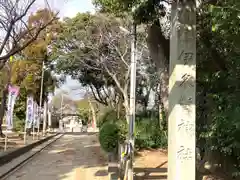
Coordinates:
(182, 88)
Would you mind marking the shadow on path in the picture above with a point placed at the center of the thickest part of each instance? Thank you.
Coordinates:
(75, 156)
(158, 172)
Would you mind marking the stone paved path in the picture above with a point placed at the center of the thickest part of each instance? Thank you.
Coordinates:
(72, 157)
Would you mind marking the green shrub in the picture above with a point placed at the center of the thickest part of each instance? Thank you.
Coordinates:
(142, 135)
(18, 124)
(149, 135)
(159, 137)
(123, 130)
(109, 116)
(109, 136)
(84, 116)
(147, 131)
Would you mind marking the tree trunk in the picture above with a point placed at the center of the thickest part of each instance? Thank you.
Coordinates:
(118, 110)
(2, 108)
(93, 111)
(160, 113)
(159, 52)
(164, 81)
(126, 107)
(4, 99)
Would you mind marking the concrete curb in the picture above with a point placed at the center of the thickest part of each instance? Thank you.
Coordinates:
(113, 167)
(23, 155)
(10, 155)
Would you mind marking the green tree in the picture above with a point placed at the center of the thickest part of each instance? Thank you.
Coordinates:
(217, 70)
(16, 35)
(27, 73)
(94, 50)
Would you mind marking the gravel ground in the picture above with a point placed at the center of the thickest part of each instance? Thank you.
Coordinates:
(72, 157)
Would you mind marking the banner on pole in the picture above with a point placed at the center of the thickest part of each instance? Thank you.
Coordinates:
(49, 118)
(29, 112)
(40, 116)
(36, 116)
(12, 96)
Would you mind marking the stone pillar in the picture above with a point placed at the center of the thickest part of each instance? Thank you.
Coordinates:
(182, 88)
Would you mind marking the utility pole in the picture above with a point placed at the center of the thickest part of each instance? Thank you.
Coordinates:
(132, 108)
(41, 94)
(42, 76)
(182, 92)
(132, 98)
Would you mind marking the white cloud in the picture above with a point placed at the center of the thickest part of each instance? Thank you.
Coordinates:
(67, 8)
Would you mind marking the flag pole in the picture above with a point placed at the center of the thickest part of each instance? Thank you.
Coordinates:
(9, 81)
(25, 132)
(6, 140)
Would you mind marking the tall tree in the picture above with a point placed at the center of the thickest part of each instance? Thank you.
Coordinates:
(16, 35)
(217, 70)
(150, 13)
(94, 50)
(34, 53)
(94, 54)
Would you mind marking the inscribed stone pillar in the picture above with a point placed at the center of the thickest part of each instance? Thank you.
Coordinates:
(182, 88)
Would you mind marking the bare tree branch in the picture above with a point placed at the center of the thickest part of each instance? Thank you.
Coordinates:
(113, 76)
(13, 20)
(98, 96)
(116, 48)
(16, 30)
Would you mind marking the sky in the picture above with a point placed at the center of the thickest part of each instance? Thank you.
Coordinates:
(68, 8)
(75, 6)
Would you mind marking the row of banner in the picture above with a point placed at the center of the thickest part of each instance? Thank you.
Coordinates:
(32, 110)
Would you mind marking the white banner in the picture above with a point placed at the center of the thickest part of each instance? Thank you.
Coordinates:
(36, 116)
(29, 112)
(12, 95)
(49, 118)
